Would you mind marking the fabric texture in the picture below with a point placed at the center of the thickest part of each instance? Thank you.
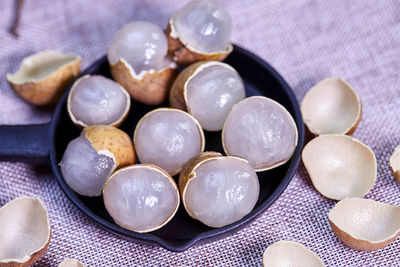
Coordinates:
(305, 40)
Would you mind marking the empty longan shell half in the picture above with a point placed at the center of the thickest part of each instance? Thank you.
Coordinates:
(331, 107)
(340, 166)
(149, 87)
(290, 253)
(111, 142)
(365, 224)
(70, 263)
(24, 233)
(43, 77)
(185, 54)
(395, 163)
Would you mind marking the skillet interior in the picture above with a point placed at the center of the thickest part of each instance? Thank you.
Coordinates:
(182, 231)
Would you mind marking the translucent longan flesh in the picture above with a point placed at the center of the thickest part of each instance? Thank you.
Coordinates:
(261, 131)
(98, 100)
(167, 138)
(204, 25)
(142, 44)
(84, 169)
(140, 198)
(223, 191)
(211, 93)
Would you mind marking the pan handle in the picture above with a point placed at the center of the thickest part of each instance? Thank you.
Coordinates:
(25, 143)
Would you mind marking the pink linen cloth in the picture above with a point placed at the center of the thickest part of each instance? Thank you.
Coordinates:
(305, 40)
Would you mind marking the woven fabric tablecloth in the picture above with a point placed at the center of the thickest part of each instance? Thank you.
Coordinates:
(305, 40)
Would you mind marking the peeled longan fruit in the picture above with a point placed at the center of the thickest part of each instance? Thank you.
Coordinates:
(207, 90)
(24, 233)
(139, 62)
(218, 190)
(200, 30)
(43, 77)
(96, 100)
(91, 158)
(141, 197)
(261, 131)
(168, 138)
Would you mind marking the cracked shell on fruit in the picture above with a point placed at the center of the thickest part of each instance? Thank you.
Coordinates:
(207, 90)
(200, 30)
(92, 157)
(218, 190)
(139, 62)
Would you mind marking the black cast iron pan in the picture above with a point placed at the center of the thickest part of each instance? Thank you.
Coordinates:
(38, 144)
